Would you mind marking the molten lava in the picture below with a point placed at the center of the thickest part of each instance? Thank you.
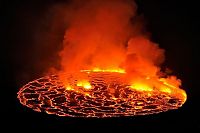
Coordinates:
(104, 70)
(108, 65)
(104, 94)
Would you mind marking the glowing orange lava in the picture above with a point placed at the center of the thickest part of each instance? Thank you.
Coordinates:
(103, 94)
(104, 70)
(108, 65)
(85, 84)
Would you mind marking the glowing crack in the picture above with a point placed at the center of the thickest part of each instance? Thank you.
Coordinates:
(103, 94)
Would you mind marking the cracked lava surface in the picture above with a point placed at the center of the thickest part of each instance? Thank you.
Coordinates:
(106, 95)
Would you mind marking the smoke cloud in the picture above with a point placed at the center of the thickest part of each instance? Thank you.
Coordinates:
(108, 34)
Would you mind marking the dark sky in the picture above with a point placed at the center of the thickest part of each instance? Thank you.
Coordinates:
(174, 24)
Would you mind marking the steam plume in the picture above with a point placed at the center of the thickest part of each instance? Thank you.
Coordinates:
(108, 34)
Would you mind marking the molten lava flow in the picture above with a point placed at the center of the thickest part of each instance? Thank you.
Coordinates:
(105, 70)
(141, 87)
(104, 94)
(85, 84)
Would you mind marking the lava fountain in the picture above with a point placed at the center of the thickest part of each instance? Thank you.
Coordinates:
(109, 67)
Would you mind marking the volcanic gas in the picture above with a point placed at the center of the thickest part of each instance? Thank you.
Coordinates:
(109, 66)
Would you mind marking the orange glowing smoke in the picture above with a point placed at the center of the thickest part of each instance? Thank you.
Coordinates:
(107, 36)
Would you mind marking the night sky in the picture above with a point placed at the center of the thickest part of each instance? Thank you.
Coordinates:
(173, 24)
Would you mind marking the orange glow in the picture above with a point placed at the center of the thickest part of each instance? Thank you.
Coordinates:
(117, 45)
(141, 87)
(108, 96)
(119, 70)
(108, 65)
(165, 82)
(165, 89)
(184, 95)
(69, 87)
(85, 84)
